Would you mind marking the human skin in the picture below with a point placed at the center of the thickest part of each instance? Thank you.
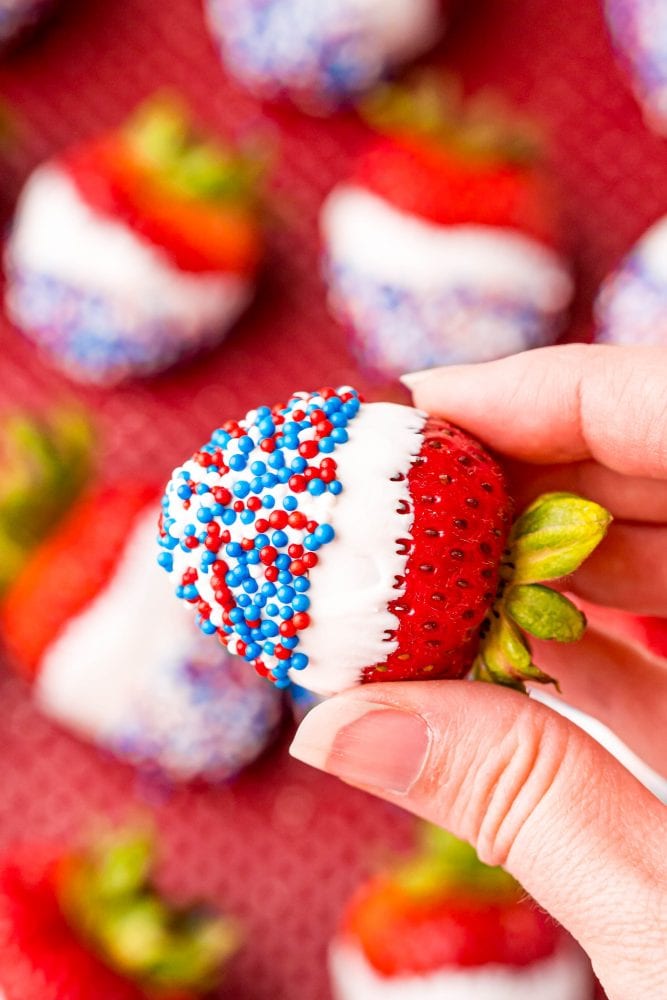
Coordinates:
(529, 789)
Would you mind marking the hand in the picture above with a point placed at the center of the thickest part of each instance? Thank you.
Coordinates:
(529, 789)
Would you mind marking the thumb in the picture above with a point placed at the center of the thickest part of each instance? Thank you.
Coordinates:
(531, 791)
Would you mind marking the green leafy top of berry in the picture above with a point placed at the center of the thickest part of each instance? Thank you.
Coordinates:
(108, 897)
(431, 105)
(45, 462)
(550, 540)
(164, 141)
(445, 866)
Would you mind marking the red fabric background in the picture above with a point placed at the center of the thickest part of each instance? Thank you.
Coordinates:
(282, 846)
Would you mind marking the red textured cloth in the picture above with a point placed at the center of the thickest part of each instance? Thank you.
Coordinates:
(283, 846)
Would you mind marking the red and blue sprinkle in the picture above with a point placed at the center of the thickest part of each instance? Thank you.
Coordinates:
(244, 519)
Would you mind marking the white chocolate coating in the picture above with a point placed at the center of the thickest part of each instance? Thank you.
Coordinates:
(57, 234)
(354, 581)
(132, 673)
(365, 232)
(566, 975)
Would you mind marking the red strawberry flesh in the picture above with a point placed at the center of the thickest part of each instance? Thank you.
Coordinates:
(461, 518)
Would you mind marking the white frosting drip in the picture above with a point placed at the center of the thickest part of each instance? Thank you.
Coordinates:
(353, 582)
(57, 234)
(652, 249)
(365, 232)
(566, 975)
(115, 669)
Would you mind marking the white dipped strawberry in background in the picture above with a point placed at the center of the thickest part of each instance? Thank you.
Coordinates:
(631, 307)
(135, 249)
(18, 16)
(91, 622)
(332, 542)
(639, 31)
(445, 244)
(321, 53)
(444, 925)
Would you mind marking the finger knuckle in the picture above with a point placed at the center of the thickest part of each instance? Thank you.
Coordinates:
(514, 780)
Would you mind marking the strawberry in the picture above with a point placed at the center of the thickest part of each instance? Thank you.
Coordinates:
(445, 914)
(78, 925)
(637, 31)
(331, 542)
(445, 242)
(75, 623)
(45, 462)
(321, 54)
(39, 605)
(193, 198)
(157, 250)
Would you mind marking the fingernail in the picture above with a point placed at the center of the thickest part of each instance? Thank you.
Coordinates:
(412, 379)
(364, 743)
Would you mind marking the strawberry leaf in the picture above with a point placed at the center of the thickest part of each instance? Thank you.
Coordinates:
(554, 536)
(544, 613)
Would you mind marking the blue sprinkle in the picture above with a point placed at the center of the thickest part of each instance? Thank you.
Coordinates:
(233, 549)
(241, 489)
(282, 683)
(272, 610)
(166, 561)
(324, 533)
(269, 589)
(202, 488)
(268, 501)
(250, 586)
(256, 484)
(338, 419)
(283, 561)
(286, 595)
(276, 460)
(228, 516)
(301, 602)
(327, 445)
(285, 576)
(237, 463)
(246, 445)
(269, 480)
(316, 487)
(311, 543)
(252, 651)
(336, 487)
(204, 514)
(290, 643)
(184, 492)
(269, 648)
(301, 584)
(252, 557)
(236, 615)
(189, 529)
(299, 661)
(286, 613)
(243, 601)
(207, 627)
(298, 464)
(290, 503)
(258, 468)
(339, 435)
(269, 629)
(279, 538)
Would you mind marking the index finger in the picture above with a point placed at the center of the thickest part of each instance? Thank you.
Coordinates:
(561, 404)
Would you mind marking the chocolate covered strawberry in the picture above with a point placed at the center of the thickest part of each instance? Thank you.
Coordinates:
(134, 249)
(92, 622)
(90, 925)
(445, 243)
(334, 542)
(444, 925)
(631, 307)
(639, 32)
(321, 53)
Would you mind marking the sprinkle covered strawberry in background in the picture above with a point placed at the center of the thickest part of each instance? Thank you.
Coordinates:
(135, 249)
(332, 542)
(631, 307)
(321, 53)
(445, 244)
(90, 925)
(639, 32)
(442, 924)
(45, 461)
(92, 622)
(19, 16)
